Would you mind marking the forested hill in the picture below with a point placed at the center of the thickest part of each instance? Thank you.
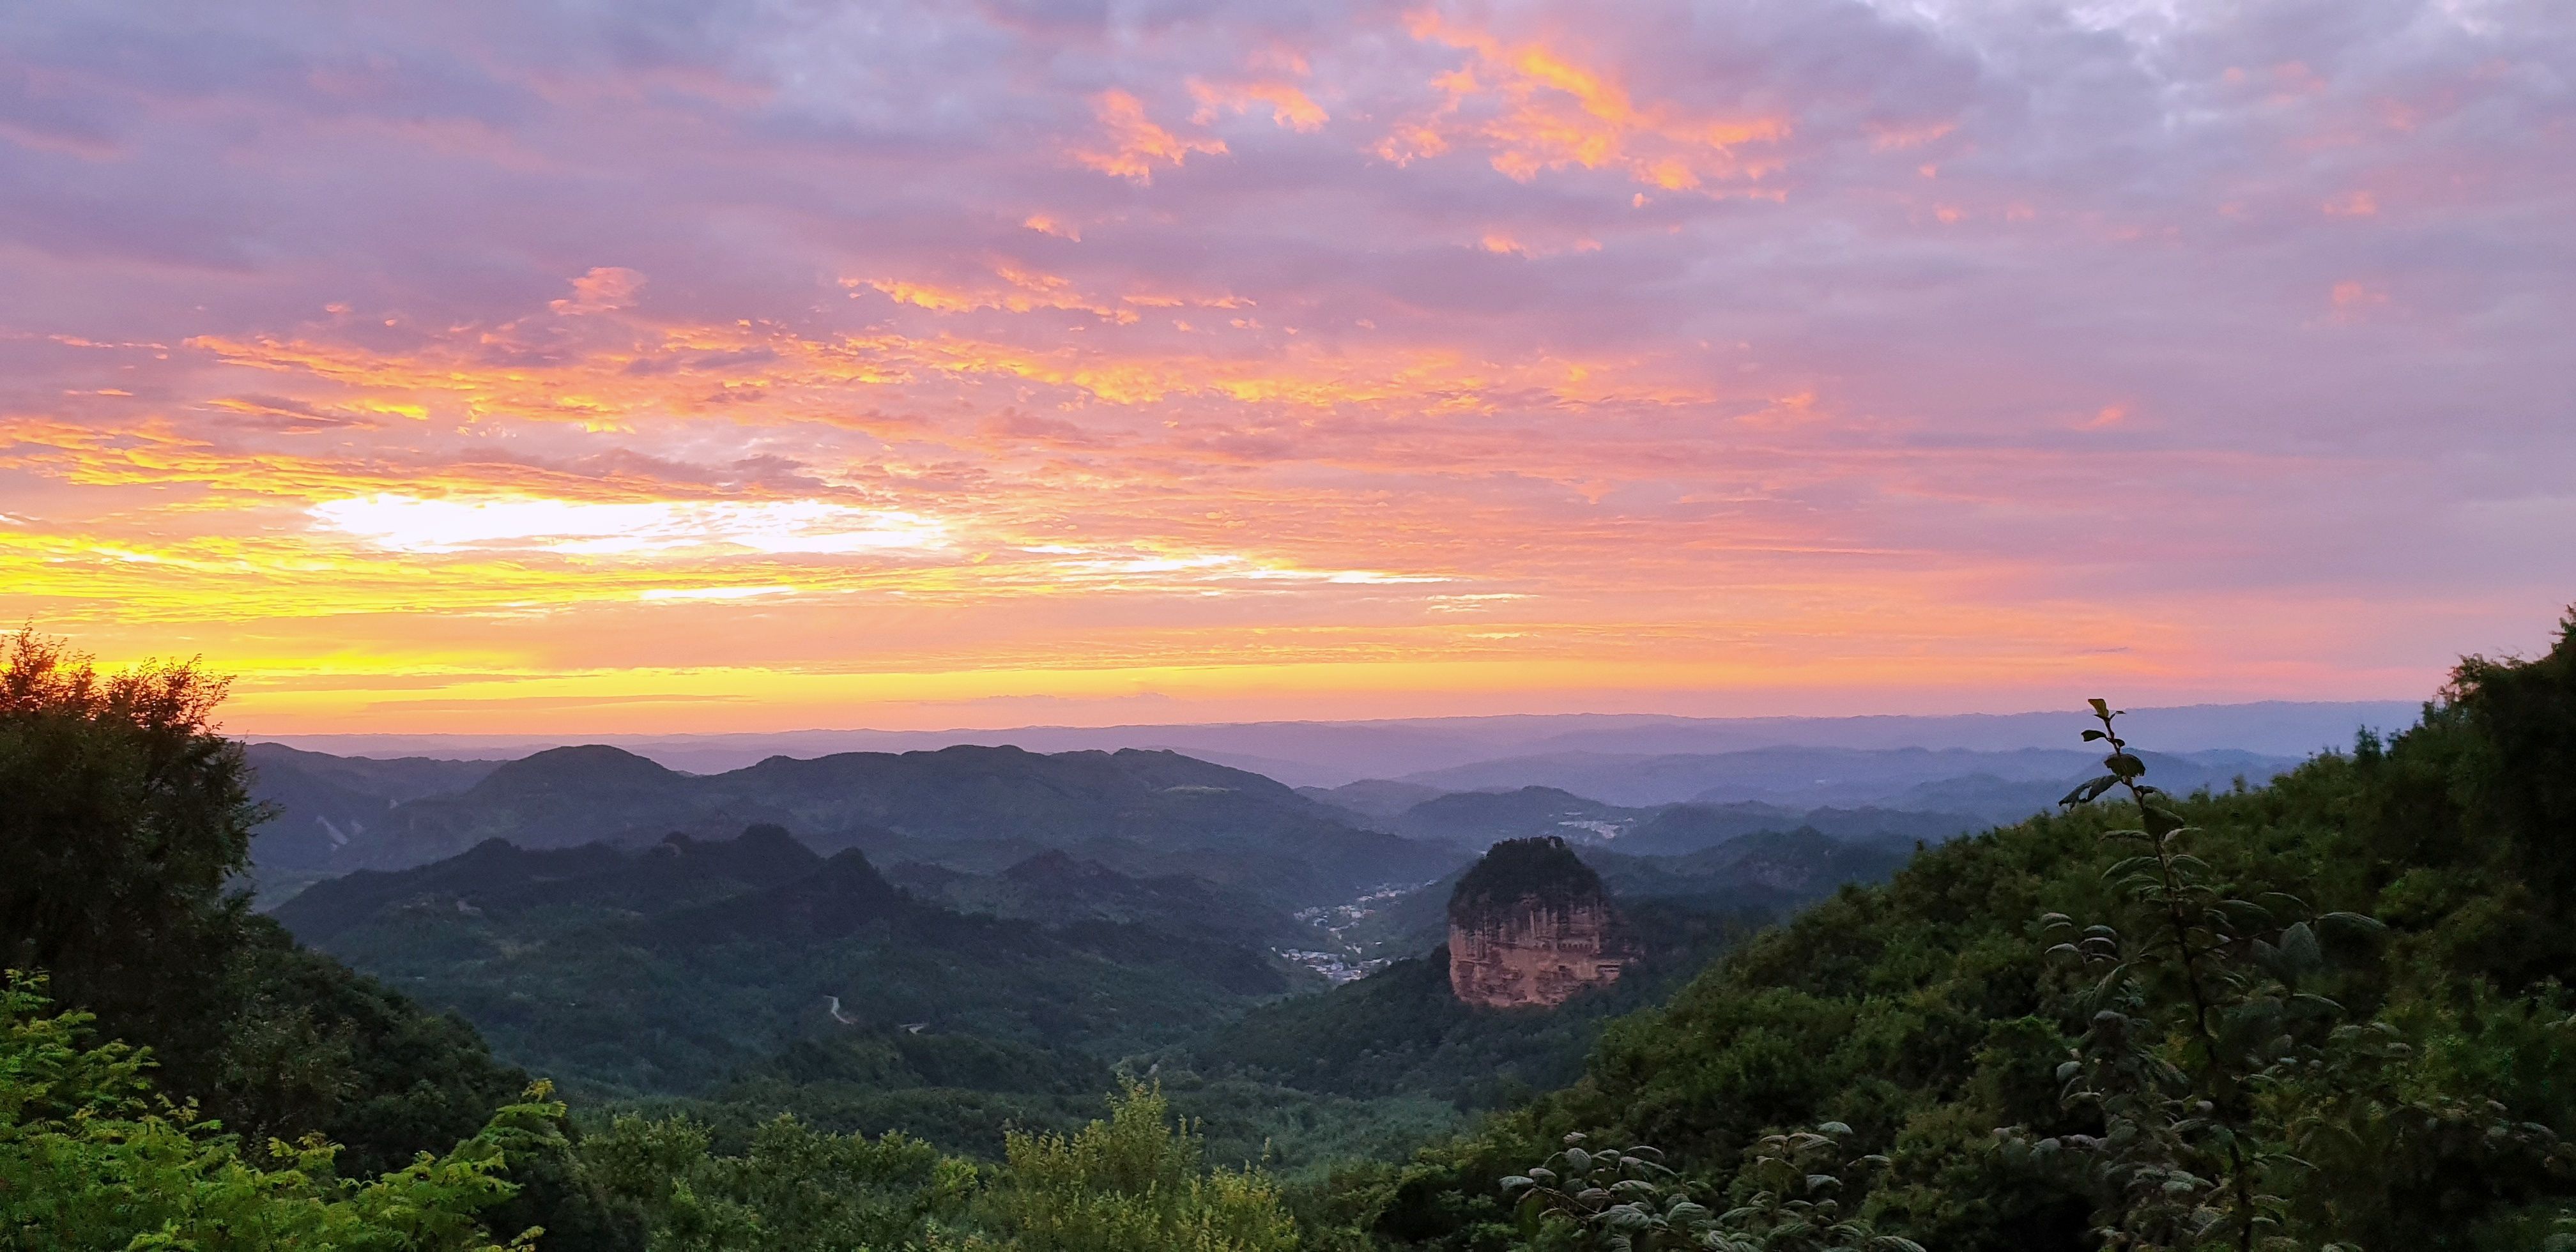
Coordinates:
(670, 968)
(2369, 1043)
(2328, 1013)
(968, 808)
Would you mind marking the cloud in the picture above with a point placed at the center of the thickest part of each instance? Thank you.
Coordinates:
(1130, 144)
(1710, 347)
(1532, 109)
(586, 528)
(504, 704)
(1290, 107)
(604, 288)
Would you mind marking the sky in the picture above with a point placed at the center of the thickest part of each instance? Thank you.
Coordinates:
(554, 366)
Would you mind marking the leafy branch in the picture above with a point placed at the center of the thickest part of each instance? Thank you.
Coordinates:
(1628, 1200)
(2193, 1015)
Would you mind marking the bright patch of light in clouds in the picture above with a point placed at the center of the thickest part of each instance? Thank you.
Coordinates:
(711, 593)
(1225, 565)
(589, 528)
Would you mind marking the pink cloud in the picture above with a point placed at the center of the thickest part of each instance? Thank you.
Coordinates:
(603, 288)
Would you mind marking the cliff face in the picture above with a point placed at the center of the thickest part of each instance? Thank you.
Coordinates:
(1530, 925)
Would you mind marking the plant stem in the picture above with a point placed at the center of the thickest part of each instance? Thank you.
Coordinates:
(2239, 1183)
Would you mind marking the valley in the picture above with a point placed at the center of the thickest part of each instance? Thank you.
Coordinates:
(909, 986)
(944, 942)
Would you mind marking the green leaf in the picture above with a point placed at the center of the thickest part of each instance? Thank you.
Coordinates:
(2088, 791)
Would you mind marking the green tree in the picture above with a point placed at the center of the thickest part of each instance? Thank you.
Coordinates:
(127, 816)
(90, 1158)
(795, 1187)
(1137, 1180)
(1799, 1193)
(127, 825)
(2220, 1073)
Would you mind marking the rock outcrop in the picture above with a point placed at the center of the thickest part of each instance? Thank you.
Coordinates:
(1530, 925)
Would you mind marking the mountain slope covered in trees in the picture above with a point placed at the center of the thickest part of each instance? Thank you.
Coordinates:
(2327, 1012)
(668, 969)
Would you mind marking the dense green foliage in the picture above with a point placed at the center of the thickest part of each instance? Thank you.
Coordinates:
(1136, 1180)
(128, 819)
(1132, 1182)
(89, 1158)
(2408, 1092)
(791, 1187)
(1541, 868)
(1625, 1199)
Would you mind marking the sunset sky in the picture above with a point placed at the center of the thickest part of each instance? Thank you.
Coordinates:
(559, 367)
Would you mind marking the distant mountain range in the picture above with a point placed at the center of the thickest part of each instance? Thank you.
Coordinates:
(1679, 803)
(1147, 814)
(1476, 819)
(1989, 786)
(1329, 754)
(1156, 815)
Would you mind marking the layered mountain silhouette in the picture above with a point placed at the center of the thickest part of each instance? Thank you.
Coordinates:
(326, 803)
(973, 809)
(1477, 819)
(1804, 777)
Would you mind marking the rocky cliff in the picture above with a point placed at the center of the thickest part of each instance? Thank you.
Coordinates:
(1530, 925)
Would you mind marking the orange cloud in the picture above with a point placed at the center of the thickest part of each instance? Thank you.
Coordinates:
(1290, 107)
(1533, 109)
(1046, 225)
(714, 370)
(1022, 290)
(1134, 144)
